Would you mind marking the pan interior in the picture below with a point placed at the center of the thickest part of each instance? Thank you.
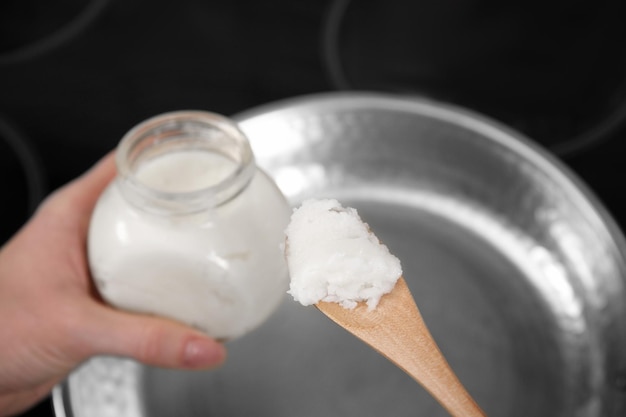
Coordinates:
(497, 333)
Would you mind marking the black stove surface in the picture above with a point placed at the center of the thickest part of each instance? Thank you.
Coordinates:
(75, 78)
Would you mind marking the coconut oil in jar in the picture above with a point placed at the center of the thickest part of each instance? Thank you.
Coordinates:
(191, 229)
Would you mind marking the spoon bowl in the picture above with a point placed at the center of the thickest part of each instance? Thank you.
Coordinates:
(396, 330)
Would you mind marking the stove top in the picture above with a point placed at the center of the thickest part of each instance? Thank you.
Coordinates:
(74, 77)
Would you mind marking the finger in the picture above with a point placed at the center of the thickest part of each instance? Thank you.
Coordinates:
(152, 340)
(85, 190)
(74, 202)
(17, 402)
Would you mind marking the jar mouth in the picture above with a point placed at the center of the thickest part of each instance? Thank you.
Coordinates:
(184, 131)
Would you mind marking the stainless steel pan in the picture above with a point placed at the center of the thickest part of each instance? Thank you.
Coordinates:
(517, 269)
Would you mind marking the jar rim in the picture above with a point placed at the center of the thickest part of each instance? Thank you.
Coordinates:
(163, 130)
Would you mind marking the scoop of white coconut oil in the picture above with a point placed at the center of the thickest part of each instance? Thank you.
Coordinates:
(333, 256)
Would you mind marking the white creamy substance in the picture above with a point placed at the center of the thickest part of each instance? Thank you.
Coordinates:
(185, 171)
(222, 271)
(333, 256)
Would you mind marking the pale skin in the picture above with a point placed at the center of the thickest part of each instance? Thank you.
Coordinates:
(51, 318)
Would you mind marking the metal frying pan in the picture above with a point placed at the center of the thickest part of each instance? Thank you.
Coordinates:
(518, 270)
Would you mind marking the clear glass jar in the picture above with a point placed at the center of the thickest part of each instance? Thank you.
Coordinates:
(191, 229)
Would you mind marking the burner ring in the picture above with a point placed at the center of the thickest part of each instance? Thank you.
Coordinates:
(359, 54)
(66, 33)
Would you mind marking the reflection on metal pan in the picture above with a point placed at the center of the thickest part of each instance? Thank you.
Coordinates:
(517, 269)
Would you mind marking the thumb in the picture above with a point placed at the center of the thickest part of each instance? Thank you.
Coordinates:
(151, 340)
(75, 201)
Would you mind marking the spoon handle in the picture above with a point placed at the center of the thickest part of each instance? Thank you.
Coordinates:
(412, 348)
(396, 329)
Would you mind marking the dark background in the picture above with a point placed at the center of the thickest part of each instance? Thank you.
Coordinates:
(76, 75)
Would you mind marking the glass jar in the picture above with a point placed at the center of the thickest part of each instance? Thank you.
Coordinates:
(191, 229)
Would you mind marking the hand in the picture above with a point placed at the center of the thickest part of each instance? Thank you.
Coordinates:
(51, 318)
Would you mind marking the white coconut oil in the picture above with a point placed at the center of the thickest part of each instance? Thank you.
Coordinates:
(333, 256)
(191, 229)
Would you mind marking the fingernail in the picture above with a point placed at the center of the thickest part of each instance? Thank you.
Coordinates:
(203, 353)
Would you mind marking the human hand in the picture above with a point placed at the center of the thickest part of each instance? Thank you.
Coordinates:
(51, 318)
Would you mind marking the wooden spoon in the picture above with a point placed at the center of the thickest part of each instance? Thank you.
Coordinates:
(396, 330)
